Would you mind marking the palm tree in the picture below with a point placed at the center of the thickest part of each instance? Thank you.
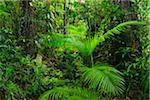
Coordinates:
(100, 79)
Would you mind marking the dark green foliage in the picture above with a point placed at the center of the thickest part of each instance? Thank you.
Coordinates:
(21, 77)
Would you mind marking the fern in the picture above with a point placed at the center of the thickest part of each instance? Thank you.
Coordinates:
(104, 78)
(68, 93)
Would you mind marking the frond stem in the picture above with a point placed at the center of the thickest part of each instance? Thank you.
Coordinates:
(92, 63)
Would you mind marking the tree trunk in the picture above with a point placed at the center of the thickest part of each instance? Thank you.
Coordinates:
(27, 27)
(65, 17)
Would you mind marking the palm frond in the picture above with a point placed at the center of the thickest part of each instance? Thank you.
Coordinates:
(104, 78)
(69, 93)
(78, 31)
(54, 40)
(122, 28)
(56, 93)
(145, 81)
(84, 93)
(87, 47)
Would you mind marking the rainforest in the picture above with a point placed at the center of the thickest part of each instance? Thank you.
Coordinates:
(74, 49)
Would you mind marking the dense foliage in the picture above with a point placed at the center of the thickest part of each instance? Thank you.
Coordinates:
(74, 49)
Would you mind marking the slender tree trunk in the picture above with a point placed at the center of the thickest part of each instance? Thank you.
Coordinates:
(65, 17)
(27, 27)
